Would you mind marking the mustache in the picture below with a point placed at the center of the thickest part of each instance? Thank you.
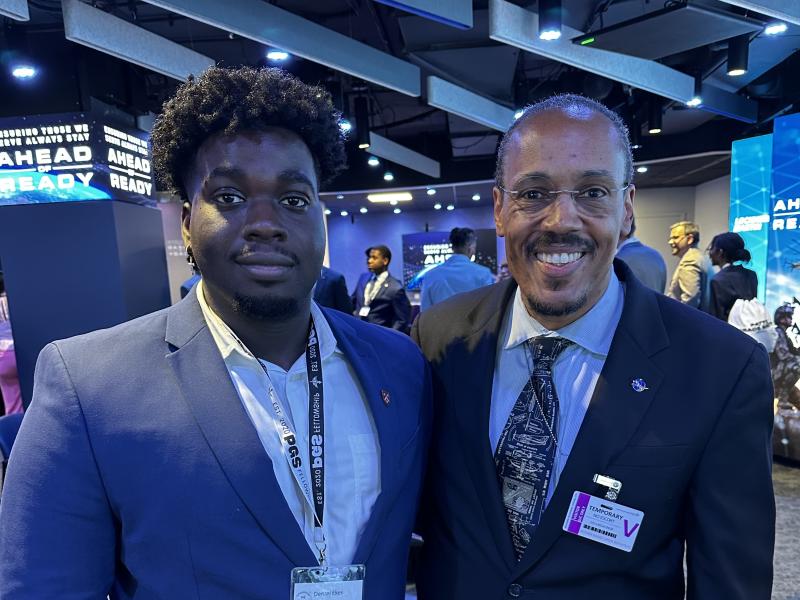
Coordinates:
(247, 250)
(561, 239)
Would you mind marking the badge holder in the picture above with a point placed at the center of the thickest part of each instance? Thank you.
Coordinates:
(342, 583)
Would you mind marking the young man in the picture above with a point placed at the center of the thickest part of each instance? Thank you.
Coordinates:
(380, 298)
(584, 437)
(207, 450)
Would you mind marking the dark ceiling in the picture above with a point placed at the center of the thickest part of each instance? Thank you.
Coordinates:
(72, 77)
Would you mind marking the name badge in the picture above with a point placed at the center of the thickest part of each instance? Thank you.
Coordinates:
(364, 311)
(603, 521)
(324, 583)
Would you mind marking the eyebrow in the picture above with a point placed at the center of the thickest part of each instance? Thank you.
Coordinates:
(295, 176)
(589, 174)
(225, 172)
(235, 173)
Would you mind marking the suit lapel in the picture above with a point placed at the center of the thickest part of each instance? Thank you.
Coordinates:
(366, 362)
(476, 358)
(614, 413)
(212, 398)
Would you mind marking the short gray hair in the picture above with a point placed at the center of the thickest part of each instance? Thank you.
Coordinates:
(566, 103)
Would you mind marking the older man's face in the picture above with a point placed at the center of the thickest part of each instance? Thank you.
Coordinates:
(560, 249)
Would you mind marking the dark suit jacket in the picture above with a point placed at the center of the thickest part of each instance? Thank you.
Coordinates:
(390, 307)
(137, 471)
(331, 291)
(730, 284)
(692, 452)
(646, 263)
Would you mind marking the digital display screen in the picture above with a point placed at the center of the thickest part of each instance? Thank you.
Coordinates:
(71, 157)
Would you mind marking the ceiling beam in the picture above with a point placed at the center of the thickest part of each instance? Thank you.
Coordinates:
(394, 152)
(516, 26)
(15, 9)
(275, 27)
(785, 10)
(469, 105)
(102, 31)
(455, 13)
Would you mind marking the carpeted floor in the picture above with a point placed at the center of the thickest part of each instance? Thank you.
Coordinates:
(786, 586)
(786, 479)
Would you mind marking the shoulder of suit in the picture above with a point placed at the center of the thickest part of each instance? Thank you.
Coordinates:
(387, 337)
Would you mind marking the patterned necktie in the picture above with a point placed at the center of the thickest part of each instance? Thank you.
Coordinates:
(527, 447)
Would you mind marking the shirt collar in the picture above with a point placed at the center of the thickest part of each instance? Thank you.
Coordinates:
(459, 258)
(631, 240)
(593, 331)
(383, 276)
(230, 346)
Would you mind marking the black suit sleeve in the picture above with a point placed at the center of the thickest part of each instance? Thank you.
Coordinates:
(716, 308)
(730, 528)
(402, 311)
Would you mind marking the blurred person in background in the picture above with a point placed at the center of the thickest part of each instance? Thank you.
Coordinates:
(691, 281)
(380, 298)
(646, 263)
(331, 291)
(733, 281)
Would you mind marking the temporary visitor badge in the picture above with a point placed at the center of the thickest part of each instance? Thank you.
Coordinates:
(603, 521)
(364, 311)
(324, 583)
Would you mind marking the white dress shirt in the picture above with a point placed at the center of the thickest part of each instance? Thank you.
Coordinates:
(575, 371)
(352, 448)
(373, 287)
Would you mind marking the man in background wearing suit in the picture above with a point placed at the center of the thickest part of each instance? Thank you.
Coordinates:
(380, 298)
(691, 281)
(207, 450)
(331, 291)
(645, 262)
(583, 437)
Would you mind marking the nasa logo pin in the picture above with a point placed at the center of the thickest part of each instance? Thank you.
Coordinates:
(639, 385)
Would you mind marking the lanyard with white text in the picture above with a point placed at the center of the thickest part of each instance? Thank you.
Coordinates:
(314, 495)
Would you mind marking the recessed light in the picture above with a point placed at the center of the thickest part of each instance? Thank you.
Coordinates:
(476, 197)
(373, 162)
(277, 55)
(393, 202)
(397, 211)
(24, 72)
(363, 210)
(388, 176)
(450, 207)
(437, 206)
(775, 28)
(340, 196)
(654, 131)
(641, 169)
(431, 192)
(695, 101)
(327, 211)
(344, 213)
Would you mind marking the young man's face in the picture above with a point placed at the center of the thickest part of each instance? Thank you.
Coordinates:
(255, 223)
(377, 262)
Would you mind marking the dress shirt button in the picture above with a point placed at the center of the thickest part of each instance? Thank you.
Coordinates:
(515, 590)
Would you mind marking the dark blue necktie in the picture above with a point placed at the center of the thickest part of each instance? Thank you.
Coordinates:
(527, 448)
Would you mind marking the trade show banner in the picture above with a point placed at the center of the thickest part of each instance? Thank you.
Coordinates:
(425, 251)
(73, 156)
(783, 262)
(751, 174)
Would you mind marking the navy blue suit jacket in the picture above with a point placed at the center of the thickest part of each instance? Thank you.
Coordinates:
(331, 291)
(137, 471)
(693, 452)
(390, 307)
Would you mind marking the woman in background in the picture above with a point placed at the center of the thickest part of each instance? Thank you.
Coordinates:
(733, 281)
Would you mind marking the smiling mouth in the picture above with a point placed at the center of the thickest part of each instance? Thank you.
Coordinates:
(560, 258)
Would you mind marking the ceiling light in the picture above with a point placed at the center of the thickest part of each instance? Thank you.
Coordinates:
(549, 20)
(393, 202)
(654, 124)
(344, 213)
(340, 196)
(695, 101)
(373, 162)
(587, 41)
(277, 55)
(437, 206)
(450, 207)
(397, 211)
(390, 197)
(738, 51)
(388, 176)
(431, 192)
(327, 211)
(518, 114)
(775, 28)
(362, 122)
(641, 169)
(363, 210)
(24, 72)
(476, 197)
(345, 125)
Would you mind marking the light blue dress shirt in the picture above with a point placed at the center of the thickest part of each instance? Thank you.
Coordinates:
(575, 372)
(455, 275)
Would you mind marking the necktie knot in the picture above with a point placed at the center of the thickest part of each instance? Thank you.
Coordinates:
(546, 350)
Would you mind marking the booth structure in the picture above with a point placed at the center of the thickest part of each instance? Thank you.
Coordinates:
(81, 244)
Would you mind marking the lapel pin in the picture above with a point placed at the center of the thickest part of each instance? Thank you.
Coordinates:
(639, 385)
(385, 397)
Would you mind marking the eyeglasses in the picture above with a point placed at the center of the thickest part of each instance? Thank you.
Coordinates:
(536, 198)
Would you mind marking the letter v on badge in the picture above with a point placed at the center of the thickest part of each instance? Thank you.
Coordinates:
(603, 521)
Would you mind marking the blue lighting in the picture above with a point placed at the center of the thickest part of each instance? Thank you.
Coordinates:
(24, 72)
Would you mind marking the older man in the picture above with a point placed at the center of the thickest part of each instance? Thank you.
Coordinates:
(691, 281)
(583, 437)
(244, 442)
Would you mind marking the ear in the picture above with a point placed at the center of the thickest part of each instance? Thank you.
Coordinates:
(497, 199)
(186, 217)
(628, 210)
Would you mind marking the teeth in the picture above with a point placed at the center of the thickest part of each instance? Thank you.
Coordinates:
(559, 259)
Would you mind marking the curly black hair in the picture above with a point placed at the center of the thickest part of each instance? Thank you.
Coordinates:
(234, 100)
